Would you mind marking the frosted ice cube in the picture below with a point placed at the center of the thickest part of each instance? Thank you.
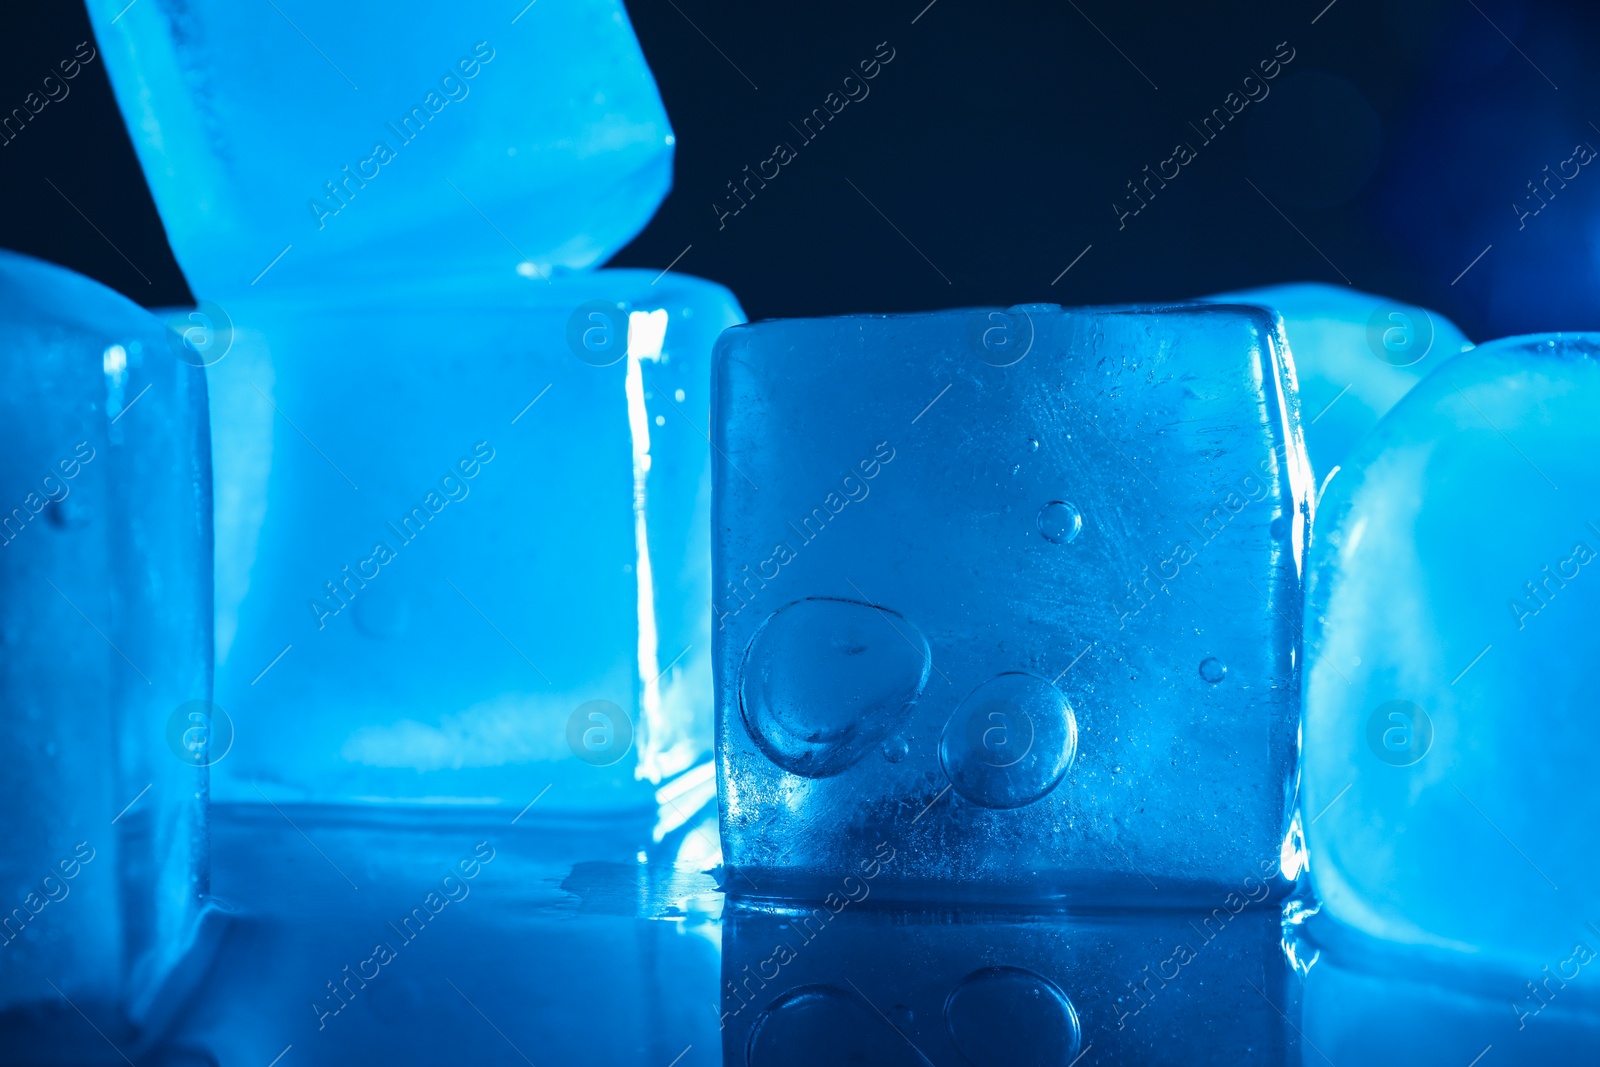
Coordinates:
(1450, 646)
(462, 541)
(105, 543)
(1355, 354)
(313, 144)
(1017, 591)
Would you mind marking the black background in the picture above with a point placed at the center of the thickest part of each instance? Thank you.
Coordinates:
(990, 150)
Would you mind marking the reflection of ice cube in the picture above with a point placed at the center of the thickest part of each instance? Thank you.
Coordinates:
(1451, 646)
(482, 138)
(449, 525)
(437, 940)
(1017, 591)
(104, 537)
(1373, 1005)
(844, 980)
(1355, 354)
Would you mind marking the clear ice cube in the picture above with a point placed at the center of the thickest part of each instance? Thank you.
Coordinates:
(463, 541)
(105, 535)
(1017, 591)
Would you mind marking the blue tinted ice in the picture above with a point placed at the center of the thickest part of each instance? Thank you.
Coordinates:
(463, 542)
(850, 982)
(351, 141)
(1016, 592)
(105, 530)
(1451, 647)
(462, 521)
(1393, 1007)
(1355, 354)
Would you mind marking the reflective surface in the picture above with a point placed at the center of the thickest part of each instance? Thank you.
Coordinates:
(435, 939)
(554, 943)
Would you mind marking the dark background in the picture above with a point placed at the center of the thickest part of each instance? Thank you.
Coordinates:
(991, 149)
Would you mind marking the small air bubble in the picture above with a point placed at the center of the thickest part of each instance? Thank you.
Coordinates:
(1060, 522)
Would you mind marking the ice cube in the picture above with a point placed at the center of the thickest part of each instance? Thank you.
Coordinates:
(1451, 642)
(1017, 591)
(1355, 354)
(463, 541)
(105, 542)
(320, 143)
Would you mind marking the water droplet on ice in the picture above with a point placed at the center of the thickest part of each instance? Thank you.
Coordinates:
(381, 612)
(1060, 521)
(825, 681)
(1213, 669)
(1010, 742)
